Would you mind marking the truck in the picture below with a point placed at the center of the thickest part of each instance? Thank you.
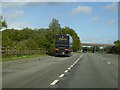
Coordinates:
(63, 45)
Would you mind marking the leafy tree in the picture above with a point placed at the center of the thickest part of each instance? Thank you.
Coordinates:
(91, 48)
(54, 28)
(117, 46)
(3, 24)
(22, 45)
(7, 42)
(32, 44)
(76, 39)
(54, 25)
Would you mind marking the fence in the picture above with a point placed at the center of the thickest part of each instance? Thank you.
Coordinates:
(8, 52)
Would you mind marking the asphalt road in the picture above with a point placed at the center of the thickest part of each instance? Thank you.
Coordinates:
(36, 72)
(87, 70)
(93, 71)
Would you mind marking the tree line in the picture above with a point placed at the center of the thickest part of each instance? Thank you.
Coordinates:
(28, 38)
(31, 39)
(115, 48)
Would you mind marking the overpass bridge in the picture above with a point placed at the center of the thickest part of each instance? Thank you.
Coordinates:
(96, 44)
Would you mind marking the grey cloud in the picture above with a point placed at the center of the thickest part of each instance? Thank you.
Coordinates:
(81, 9)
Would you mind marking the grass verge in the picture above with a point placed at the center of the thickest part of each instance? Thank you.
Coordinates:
(23, 57)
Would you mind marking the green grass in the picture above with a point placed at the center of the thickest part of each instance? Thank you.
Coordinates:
(27, 56)
(23, 57)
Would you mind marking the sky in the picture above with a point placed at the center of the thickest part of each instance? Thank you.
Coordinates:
(94, 22)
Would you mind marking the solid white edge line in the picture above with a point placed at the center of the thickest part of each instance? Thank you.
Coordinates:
(77, 60)
(54, 82)
(62, 75)
(66, 71)
(74, 63)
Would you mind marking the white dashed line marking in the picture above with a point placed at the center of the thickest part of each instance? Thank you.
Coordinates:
(62, 75)
(66, 71)
(54, 82)
(108, 62)
(69, 68)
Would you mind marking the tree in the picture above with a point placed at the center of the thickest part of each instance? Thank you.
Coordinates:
(54, 28)
(54, 25)
(117, 46)
(8, 42)
(76, 39)
(3, 24)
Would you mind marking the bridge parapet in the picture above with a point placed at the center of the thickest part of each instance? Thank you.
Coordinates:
(96, 44)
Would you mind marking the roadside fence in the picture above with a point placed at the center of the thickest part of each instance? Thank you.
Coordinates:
(8, 52)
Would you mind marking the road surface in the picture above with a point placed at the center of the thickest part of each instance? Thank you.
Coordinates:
(87, 70)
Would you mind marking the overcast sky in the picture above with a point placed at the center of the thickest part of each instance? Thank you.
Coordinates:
(94, 22)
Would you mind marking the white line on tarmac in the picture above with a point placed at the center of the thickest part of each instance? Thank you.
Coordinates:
(77, 59)
(69, 68)
(108, 62)
(73, 64)
(66, 71)
(62, 75)
(54, 82)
